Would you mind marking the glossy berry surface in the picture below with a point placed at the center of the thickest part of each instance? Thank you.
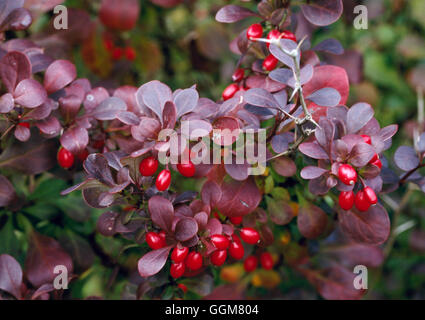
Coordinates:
(270, 62)
(186, 169)
(148, 166)
(179, 254)
(377, 163)
(346, 200)
(24, 124)
(130, 54)
(220, 242)
(154, 240)
(194, 260)
(163, 180)
(361, 202)
(289, 35)
(266, 261)
(218, 257)
(255, 31)
(273, 34)
(230, 91)
(347, 174)
(250, 235)
(65, 158)
(367, 139)
(236, 250)
(238, 75)
(236, 220)
(250, 263)
(177, 269)
(370, 195)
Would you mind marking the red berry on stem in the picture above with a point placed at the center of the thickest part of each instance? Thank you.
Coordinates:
(236, 220)
(250, 235)
(270, 62)
(250, 263)
(117, 53)
(65, 158)
(366, 138)
(238, 75)
(273, 34)
(179, 254)
(177, 269)
(361, 202)
(182, 287)
(130, 53)
(148, 166)
(186, 169)
(218, 257)
(220, 242)
(347, 174)
(289, 35)
(230, 91)
(254, 31)
(370, 195)
(236, 250)
(377, 163)
(266, 260)
(163, 180)
(154, 240)
(346, 200)
(194, 260)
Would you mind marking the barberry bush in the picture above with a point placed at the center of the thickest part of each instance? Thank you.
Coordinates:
(135, 187)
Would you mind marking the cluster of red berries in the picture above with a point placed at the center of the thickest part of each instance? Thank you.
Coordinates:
(364, 198)
(66, 158)
(117, 53)
(149, 166)
(251, 262)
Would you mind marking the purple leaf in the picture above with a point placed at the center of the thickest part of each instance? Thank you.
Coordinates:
(261, 98)
(358, 115)
(284, 166)
(325, 97)
(50, 126)
(313, 150)
(330, 45)
(233, 13)
(210, 193)
(322, 12)
(22, 133)
(214, 226)
(152, 262)
(185, 229)
(94, 98)
(162, 212)
(154, 95)
(129, 118)
(388, 132)
(406, 158)
(186, 101)
(311, 221)
(7, 192)
(169, 115)
(361, 154)
(281, 75)
(147, 128)
(420, 144)
(75, 139)
(7, 103)
(97, 167)
(14, 67)
(312, 172)
(280, 142)
(109, 109)
(280, 211)
(10, 275)
(281, 56)
(106, 223)
(18, 19)
(58, 75)
(29, 93)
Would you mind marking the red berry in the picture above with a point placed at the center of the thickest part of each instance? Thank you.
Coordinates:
(162, 234)
(236, 250)
(361, 202)
(250, 235)
(179, 254)
(130, 53)
(346, 200)
(24, 124)
(230, 91)
(274, 34)
(366, 138)
(177, 269)
(377, 163)
(289, 35)
(148, 166)
(98, 144)
(163, 180)
(235, 238)
(236, 220)
(194, 260)
(270, 62)
(370, 195)
(186, 169)
(154, 240)
(266, 260)
(182, 287)
(218, 257)
(250, 263)
(83, 155)
(238, 75)
(109, 44)
(254, 31)
(117, 53)
(220, 242)
(347, 174)
(65, 158)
